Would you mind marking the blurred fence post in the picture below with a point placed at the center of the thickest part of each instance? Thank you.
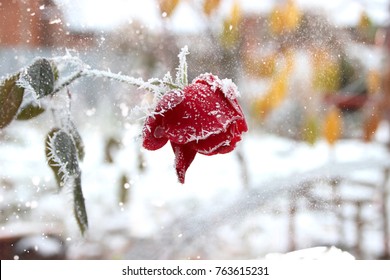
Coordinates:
(385, 214)
(292, 210)
(359, 229)
(243, 168)
(338, 209)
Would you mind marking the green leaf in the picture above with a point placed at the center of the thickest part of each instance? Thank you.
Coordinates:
(11, 97)
(40, 77)
(79, 210)
(29, 111)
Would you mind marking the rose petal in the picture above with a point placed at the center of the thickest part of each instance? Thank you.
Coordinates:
(220, 143)
(153, 130)
(184, 156)
(202, 113)
(151, 139)
(169, 101)
(226, 86)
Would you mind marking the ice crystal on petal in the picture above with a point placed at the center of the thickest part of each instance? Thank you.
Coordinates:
(229, 89)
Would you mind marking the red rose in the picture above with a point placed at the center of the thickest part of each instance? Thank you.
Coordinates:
(204, 117)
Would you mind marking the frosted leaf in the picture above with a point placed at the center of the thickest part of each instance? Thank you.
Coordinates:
(77, 139)
(79, 209)
(181, 75)
(168, 78)
(38, 78)
(62, 155)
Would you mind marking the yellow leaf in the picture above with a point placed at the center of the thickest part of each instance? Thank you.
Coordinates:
(209, 6)
(290, 59)
(261, 108)
(285, 18)
(364, 21)
(310, 130)
(332, 125)
(373, 81)
(292, 16)
(260, 67)
(326, 71)
(235, 14)
(230, 32)
(168, 6)
(370, 126)
(275, 95)
(276, 21)
(277, 92)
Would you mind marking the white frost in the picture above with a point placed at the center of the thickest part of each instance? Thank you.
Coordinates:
(229, 89)
(227, 86)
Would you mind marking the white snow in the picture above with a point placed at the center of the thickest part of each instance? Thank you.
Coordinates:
(316, 253)
(212, 203)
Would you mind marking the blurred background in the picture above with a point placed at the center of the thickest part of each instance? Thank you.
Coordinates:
(313, 170)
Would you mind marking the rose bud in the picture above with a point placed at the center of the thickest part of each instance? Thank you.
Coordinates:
(204, 117)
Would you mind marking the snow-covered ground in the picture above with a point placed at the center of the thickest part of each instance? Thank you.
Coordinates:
(214, 215)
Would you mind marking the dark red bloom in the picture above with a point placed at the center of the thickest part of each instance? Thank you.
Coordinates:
(204, 117)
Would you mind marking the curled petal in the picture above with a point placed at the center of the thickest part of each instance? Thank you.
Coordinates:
(152, 140)
(169, 101)
(184, 155)
(153, 130)
(221, 143)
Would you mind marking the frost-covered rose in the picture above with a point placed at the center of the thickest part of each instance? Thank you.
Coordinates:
(204, 117)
